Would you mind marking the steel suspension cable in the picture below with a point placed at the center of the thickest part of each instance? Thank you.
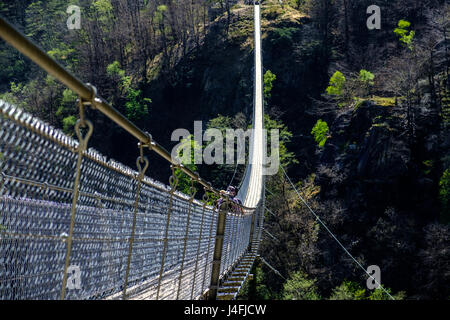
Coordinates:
(333, 236)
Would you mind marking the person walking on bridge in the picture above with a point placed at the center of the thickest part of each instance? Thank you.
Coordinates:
(232, 194)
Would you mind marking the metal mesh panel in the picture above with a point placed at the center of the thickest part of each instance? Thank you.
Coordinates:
(37, 173)
(237, 234)
(31, 249)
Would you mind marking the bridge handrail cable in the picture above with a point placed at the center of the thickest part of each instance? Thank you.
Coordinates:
(88, 93)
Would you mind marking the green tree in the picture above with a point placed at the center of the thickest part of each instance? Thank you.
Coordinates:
(65, 53)
(136, 106)
(104, 14)
(221, 174)
(69, 124)
(159, 14)
(320, 132)
(348, 290)
(366, 79)
(336, 85)
(269, 78)
(287, 158)
(67, 110)
(44, 20)
(380, 294)
(282, 38)
(339, 90)
(256, 289)
(114, 70)
(444, 195)
(406, 36)
(184, 181)
(300, 287)
(15, 94)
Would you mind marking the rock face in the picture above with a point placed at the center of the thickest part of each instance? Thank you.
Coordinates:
(385, 182)
(217, 77)
(371, 145)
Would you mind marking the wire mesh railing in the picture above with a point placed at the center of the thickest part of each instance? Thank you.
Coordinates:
(74, 225)
(171, 235)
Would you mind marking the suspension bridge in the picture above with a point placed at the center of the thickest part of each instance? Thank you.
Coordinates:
(74, 225)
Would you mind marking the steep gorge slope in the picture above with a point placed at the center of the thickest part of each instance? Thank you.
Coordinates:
(375, 188)
(217, 77)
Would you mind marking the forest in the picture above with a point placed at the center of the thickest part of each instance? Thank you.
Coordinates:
(363, 114)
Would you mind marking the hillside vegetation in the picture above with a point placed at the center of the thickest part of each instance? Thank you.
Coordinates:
(363, 115)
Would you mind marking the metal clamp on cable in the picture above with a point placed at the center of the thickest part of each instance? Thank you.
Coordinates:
(192, 191)
(93, 100)
(196, 177)
(141, 159)
(83, 122)
(173, 179)
(150, 142)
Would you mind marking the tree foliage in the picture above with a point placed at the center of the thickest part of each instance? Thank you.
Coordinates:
(221, 174)
(136, 106)
(366, 78)
(444, 194)
(300, 287)
(184, 181)
(348, 290)
(256, 289)
(287, 157)
(351, 290)
(124, 45)
(405, 36)
(336, 85)
(269, 78)
(320, 132)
